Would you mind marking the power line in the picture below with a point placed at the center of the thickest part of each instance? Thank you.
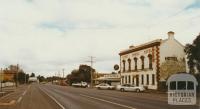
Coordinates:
(91, 60)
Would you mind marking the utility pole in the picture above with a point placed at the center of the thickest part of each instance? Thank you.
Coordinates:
(63, 73)
(91, 73)
(1, 79)
(17, 75)
(60, 76)
(62, 80)
(25, 77)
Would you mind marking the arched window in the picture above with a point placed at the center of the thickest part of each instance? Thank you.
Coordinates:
(135, 60)
(142, 60)
(129, 64)
(124, 65)
(150, 61)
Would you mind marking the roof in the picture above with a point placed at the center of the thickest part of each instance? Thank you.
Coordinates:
(142, 46)
(107, 79)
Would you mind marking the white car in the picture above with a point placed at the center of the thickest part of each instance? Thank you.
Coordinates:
(104, 86)
(128, 87)
(81, 84)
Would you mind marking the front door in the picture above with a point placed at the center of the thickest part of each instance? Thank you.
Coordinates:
(137, 80)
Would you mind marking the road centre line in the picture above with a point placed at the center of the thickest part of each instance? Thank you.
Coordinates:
(24, 92)
(52, 98)
(129, 107)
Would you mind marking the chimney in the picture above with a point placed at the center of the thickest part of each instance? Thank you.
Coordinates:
(170, 35)
(131, 46)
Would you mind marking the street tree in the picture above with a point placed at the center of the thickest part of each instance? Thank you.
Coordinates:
(41, 78)
(82, 74)
(32, 75)
(193, 55)
(170, 67)
(21, 77)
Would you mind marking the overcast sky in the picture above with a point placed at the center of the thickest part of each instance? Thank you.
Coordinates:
(45, 36)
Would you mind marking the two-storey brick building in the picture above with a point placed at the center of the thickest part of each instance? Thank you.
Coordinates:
(140, 65)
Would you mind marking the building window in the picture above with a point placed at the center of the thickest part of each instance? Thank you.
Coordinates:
(129, 64)
(153, 79)
(129, 79)
(171, 58)
(124, 65)
(150, 61)
(126, 79)
(147, 79)
(133, 80)
(122, 79)
(142, 60)
(135, 60)
(142, 78)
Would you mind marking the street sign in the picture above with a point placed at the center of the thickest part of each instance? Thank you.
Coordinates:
(116, 67)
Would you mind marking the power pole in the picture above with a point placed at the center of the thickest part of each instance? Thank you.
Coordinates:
(25, 77)
(63, 73)
(1, 79)
(17, 75)
(91, 73)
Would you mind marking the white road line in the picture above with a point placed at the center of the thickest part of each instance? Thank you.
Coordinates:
(53, 99)
(19, 99)
(24, 93)
(108, 101)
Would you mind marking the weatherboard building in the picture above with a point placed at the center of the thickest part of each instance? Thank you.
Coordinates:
(140, 65)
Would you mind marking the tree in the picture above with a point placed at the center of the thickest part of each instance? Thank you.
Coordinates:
(170, 67)
(32, 75)
(86, 72)
(21, 77)
(41, 78)
(82, 74)
(193, 54)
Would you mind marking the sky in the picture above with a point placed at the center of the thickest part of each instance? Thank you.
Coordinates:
(46, 36)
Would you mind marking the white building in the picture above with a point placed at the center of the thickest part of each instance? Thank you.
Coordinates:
(33, 79)
(140, 65)
(112, 79)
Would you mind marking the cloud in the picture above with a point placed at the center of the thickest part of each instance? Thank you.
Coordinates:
(46, 36)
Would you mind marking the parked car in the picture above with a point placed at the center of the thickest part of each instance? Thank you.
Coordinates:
(128, 87)
(81, 84)
(104, 86)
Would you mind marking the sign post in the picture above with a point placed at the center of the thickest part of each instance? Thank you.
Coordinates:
(1, 78)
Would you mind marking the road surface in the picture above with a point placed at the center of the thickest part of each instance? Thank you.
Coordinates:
(62, 97)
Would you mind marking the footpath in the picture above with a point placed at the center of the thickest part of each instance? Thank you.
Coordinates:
(11, 95)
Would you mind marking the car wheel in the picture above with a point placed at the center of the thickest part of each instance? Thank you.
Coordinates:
(122, 90)
(108, 88)
(137, 90)
(99, 88)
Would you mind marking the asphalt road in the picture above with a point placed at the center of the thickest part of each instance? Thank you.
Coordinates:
(86, 98)
(62, 97)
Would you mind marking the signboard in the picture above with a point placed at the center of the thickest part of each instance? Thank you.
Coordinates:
(182, 89)
(116, 67)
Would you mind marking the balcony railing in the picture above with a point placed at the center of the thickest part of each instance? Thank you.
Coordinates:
(138, 70)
